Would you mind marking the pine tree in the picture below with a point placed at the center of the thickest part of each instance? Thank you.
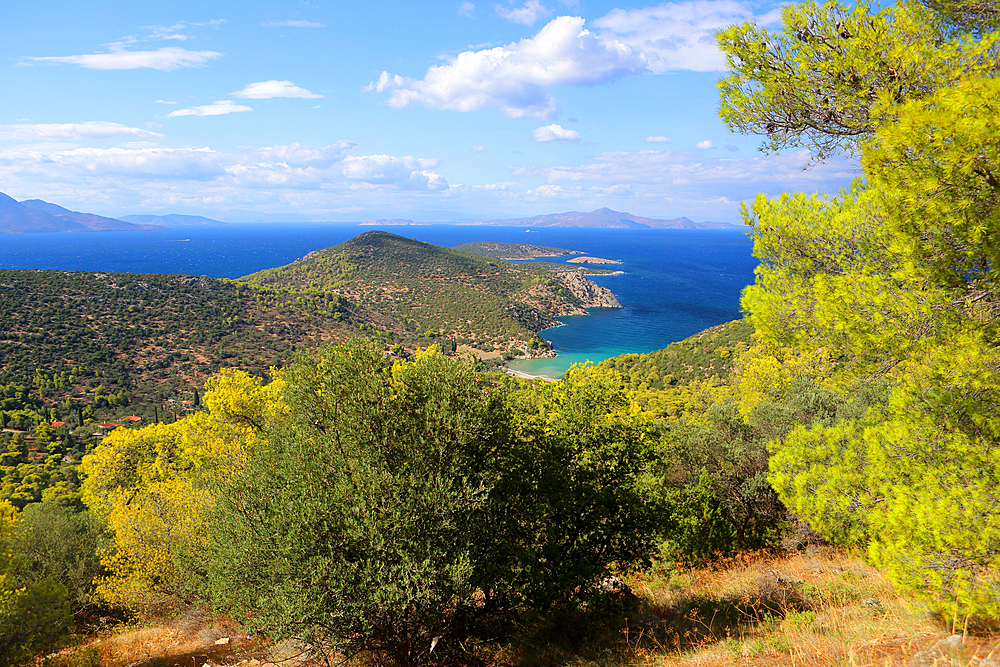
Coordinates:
(896, 278)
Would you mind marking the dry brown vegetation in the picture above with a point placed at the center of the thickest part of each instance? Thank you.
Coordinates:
(191, 640)
(821, 607)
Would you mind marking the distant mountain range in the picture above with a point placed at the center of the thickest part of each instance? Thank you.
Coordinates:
(35, 215)
(394, 222)
(601, 218)
(170, 220)
(606, 218)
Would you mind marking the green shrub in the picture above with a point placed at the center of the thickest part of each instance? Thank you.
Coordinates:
(414, 511)
(33, 620)
(61, 545)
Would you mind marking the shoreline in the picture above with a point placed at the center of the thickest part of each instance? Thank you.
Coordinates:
(521, 375)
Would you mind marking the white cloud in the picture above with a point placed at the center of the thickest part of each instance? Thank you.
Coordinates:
(546, 192)
(528, 14)
(297, 155)
(263, 90)
(294, 23)
(404, 172)
(332, 182)
(705, 145)
(132, 164)
(171, 32)
(315, 178)
(165, 59)
(466, 9)
(658, 140)
(679, 35)
(517, 78)
(167, 32)
(188, 164)
(219, 108)
(554, 133)
(658, 183)
(163, 102)
(478, 149)
(74, 131)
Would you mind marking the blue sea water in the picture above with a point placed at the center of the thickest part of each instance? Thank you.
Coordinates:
(676, 282)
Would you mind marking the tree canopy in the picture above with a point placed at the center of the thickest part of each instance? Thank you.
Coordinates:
(894, 279)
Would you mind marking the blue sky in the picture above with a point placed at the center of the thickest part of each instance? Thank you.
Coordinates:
(435, 111)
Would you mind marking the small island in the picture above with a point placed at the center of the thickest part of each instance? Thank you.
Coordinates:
(592, 260)
(512, 251)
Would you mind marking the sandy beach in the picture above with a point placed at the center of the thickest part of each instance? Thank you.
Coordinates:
(525, 376)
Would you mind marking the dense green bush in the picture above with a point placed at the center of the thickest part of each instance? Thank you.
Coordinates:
(406, 512)
(34, 617)
(713, 472)
(33, 620)
(60, 545)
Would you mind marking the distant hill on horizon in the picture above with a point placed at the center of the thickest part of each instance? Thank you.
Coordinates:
(607, 218)
(36, 215)
(602, 218)
(394, 222)
(171, 220)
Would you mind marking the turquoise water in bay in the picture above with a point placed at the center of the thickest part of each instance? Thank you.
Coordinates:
(676, 282)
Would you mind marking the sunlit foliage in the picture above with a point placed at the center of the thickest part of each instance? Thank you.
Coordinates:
(895, 279)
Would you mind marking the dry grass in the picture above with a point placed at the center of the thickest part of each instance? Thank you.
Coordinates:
(823, 607)
(192, 640)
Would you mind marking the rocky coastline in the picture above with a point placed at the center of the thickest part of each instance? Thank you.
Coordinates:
(590, 294)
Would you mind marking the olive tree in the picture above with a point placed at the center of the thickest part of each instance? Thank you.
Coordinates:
(410, 511)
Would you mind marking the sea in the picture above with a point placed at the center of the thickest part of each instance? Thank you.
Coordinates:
(675, 282)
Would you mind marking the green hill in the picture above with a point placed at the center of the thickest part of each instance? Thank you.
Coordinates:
(698, 357)
(71, 336)
(416, 290)
(82, 347)
(157, 336)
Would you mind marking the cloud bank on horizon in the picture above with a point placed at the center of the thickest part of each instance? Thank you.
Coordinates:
(519, 108)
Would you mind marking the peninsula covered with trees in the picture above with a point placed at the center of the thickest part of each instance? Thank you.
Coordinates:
(816, 484)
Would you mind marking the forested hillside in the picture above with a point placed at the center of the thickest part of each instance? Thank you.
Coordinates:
(703, 356)
(154, 336)
(417, 289)
(80, 349)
